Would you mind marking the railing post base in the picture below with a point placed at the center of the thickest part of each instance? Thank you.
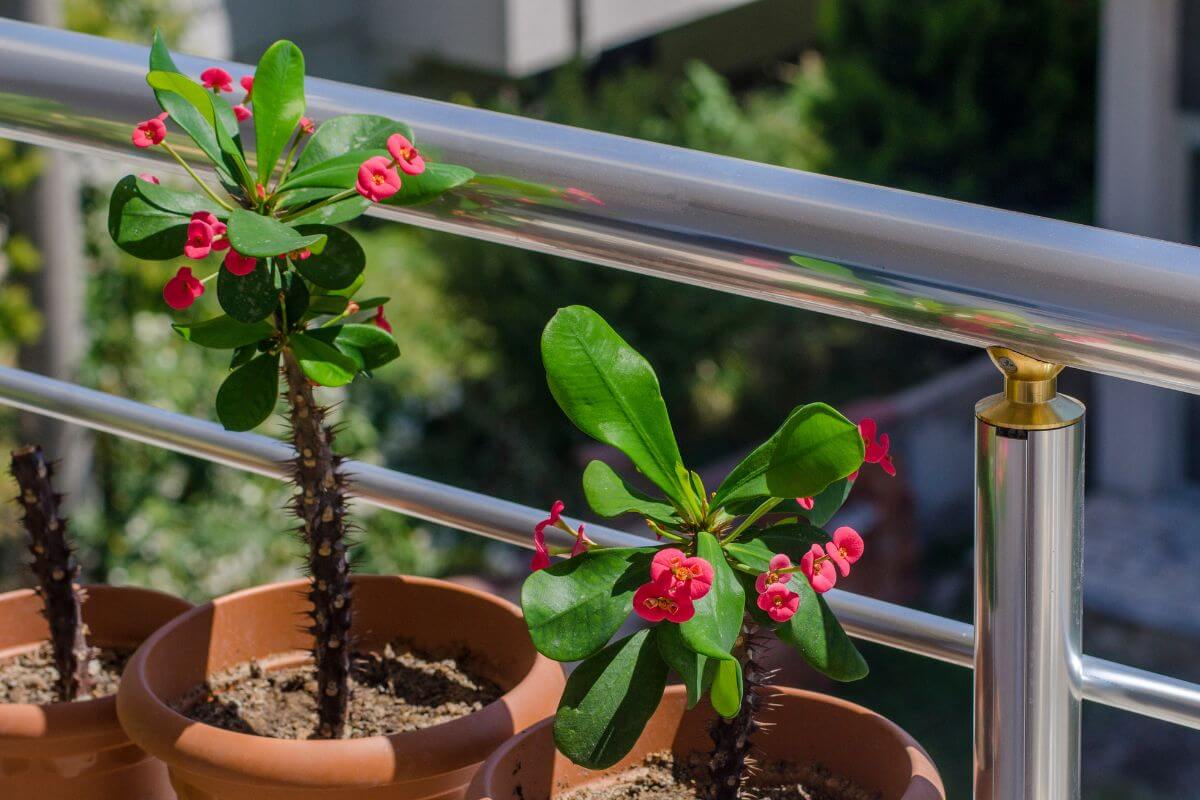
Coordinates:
(1028, 567)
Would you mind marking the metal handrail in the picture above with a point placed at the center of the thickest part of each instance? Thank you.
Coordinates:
(1112, 684)
(1071, 294)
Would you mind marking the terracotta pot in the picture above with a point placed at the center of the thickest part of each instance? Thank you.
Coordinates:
(67, 751)
(209, 763)
(850, 740)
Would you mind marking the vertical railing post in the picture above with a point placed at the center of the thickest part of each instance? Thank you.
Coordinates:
(1028, 565)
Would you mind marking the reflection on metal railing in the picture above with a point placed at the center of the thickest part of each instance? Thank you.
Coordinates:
(1071, 294)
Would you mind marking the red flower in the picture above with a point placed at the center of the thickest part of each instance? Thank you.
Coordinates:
(405, 154)
(877, 451)
(774, 573)
(381, 321)
(150, 132)
(678, 574)
(377, 180)
(219, 241)
(199, 239)
(148, 178)
(806, 503)
(241, 112)
(779, 602)
(217, 79)
(819, 570)
(239, 264)
(247, 82)
(182, 290)
(845, 549)
(541, 555)
(654, 603)
(306, 126)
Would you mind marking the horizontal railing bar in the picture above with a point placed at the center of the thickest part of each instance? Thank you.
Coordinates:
(866, 618)
(1082, 296)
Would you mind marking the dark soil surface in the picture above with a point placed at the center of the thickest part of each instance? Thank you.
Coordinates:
(661, 777)
(32, 678)
(390, 692)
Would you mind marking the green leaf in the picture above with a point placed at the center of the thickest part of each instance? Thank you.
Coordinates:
(295, 297)
(335, 213)
(436, 180)
(609, 495)
(339, 172)
(683, 660)
(814, 447)
(177, 202)
(349, 132)
(141, 228)
(726, 693)
(242, 355)
(349, 290)
(338, 264)
(224, 333)
(815, 632)
(327, 304)
(574, 607)
(248, 298)
(214, 113)
(611, 393)
(714, 629)
(827, 503)
(187, 115)
(278, 103)
(375, 344)
(608, 700)
(260, 236)
(248, 395)
(322, 362)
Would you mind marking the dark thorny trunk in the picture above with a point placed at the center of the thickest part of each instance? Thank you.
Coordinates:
(731, 762)
(320, 503)
(56, 570)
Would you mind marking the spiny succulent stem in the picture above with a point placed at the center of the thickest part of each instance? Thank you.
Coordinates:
(56, 570)
(320, 503)
(728, 765)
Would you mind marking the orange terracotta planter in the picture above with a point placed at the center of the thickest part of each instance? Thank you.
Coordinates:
(850, 740)
(70, 751)
(207, 763)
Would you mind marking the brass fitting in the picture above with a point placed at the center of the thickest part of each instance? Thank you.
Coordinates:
(1030, 400)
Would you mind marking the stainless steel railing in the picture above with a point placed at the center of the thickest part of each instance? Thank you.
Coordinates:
(1061, 293)
(903, 628)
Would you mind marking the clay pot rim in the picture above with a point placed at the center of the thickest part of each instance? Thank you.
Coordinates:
(209, 750)
(78, 720)
(920, 764)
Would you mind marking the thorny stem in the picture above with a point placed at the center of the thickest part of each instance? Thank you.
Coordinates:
(320, 504)
(730, 764)
(196, 177)
(56, 571)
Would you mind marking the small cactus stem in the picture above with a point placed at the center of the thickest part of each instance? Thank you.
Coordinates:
(56, 570)
(730, 762)
(320, 503)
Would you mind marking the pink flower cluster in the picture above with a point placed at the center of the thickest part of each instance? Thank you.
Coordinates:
(677, 580)
(150, 132)
(541, 553)
(821, 565)
(377, 176)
